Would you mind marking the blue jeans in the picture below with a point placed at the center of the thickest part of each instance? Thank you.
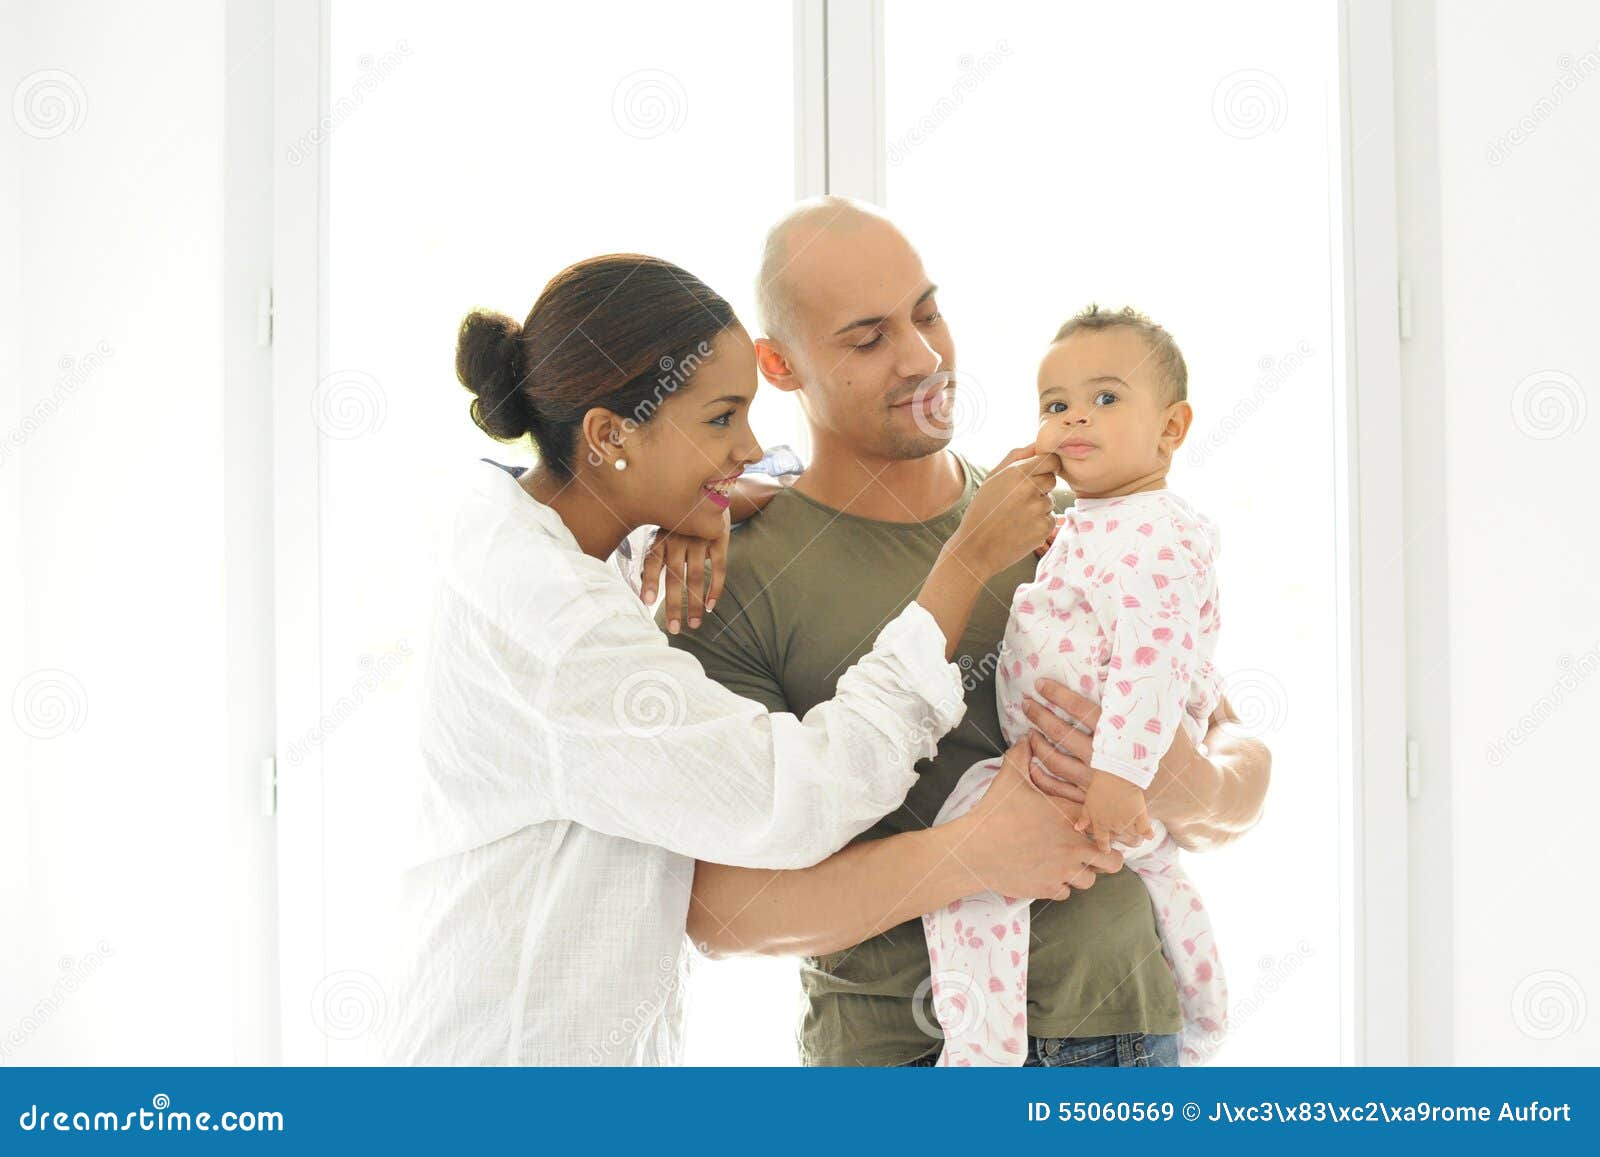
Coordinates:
(1127, 1050)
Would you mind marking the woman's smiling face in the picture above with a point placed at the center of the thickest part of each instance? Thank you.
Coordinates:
(697, 441)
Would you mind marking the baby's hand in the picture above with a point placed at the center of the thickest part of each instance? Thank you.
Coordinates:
(1113, 810)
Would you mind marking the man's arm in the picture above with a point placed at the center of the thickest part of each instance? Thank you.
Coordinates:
(1206, 802)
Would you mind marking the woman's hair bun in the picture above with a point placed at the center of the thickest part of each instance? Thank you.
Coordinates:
(489, 363)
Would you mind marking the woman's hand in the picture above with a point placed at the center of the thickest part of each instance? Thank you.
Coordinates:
(1010, 515)
(695, 568)
(1020, 842)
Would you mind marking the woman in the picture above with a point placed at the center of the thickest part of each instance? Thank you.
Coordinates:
(575, 766)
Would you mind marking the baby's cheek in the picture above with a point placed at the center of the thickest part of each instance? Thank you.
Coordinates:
(1049, 437)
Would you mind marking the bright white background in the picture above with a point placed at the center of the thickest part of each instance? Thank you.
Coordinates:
(136, 508)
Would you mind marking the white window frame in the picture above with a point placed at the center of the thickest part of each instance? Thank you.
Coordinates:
(841, 147)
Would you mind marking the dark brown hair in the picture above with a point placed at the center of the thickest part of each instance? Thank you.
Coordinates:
(1159, 340)
(618, 331)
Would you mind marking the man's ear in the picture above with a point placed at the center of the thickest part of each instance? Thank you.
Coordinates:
(1179, 417)
(774, 365)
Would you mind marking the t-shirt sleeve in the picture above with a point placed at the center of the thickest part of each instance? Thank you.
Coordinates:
(730, 647)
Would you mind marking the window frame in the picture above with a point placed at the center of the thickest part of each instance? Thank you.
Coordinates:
(841, 147)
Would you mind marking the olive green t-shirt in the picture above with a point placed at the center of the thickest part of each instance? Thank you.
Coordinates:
(807, 590)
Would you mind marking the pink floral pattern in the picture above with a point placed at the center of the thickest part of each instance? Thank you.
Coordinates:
(1124, 610)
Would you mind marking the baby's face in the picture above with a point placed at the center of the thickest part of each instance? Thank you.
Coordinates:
(1103, 406)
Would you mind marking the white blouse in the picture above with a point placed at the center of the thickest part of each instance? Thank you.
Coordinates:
(574, 766)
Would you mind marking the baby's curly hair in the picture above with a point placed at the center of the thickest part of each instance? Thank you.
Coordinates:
(1159, 340)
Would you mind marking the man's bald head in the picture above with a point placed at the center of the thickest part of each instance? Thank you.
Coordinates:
(823, 219)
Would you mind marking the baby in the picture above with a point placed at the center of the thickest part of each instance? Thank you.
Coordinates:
(1123, 609)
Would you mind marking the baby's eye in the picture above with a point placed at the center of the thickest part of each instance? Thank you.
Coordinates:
(1055, 407)
(1104, 398)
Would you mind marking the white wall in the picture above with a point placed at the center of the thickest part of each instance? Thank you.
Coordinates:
(121, 864)
(1503, 383)
(13, 812)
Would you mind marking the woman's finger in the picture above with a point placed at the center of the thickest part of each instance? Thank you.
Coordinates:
(650, 575)
(677, 583)
(695, 564)
(719, 571)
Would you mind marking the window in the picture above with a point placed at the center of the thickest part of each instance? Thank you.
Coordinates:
(1041, 156)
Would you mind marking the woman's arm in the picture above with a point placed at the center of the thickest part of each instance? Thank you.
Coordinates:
(1017, 841)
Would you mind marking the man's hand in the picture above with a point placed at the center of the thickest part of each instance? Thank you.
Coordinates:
(1205, 801)
(1113, 811)
(684, 558)
(1050, 539)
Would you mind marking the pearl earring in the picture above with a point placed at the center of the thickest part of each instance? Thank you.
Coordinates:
(621, 464)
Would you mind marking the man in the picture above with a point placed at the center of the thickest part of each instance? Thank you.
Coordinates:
(853, 329)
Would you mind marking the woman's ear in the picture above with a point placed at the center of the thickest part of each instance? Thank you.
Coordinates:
(604, 437)
(774, 365)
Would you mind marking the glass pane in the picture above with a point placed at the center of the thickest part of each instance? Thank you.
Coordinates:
(1180, 159)
(476, 149)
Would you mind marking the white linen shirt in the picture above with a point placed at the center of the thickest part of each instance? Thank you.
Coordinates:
(574, 766)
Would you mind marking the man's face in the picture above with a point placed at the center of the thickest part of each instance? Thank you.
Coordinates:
(872, 352)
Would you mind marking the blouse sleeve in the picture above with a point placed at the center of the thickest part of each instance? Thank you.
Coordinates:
(1156, 616)
(641, 744)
